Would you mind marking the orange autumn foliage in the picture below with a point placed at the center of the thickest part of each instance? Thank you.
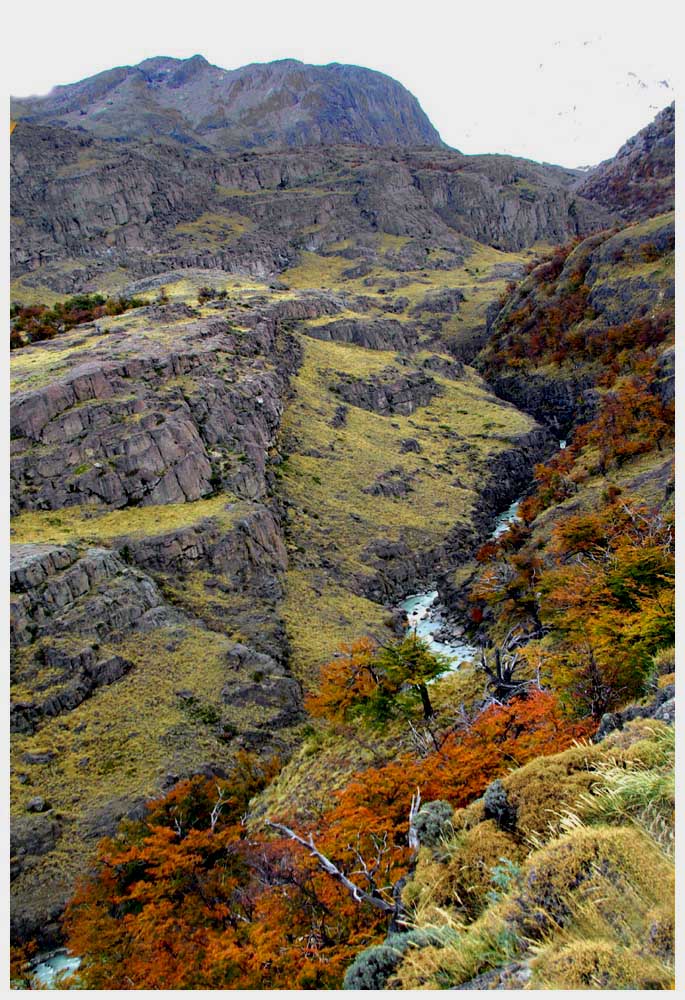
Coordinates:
(177, 903)
(502, 737)
(345, 681)
(603, 596)
(631, 420)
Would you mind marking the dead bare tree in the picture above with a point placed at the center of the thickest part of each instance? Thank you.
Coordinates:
(502, 684)
(426, 740)
(412, 835)
(370, 871)
(374, 895)
(218, 806)
(358, 894)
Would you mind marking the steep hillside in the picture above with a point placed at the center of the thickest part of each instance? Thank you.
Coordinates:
(582, 319)
(148, 566)
(586, 343)
(638, 181)
(284, 103)
(245, 478)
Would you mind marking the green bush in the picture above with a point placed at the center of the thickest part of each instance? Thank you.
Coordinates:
(433, 822)
(373, 967)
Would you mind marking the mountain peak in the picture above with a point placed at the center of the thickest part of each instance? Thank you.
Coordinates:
(262, 105)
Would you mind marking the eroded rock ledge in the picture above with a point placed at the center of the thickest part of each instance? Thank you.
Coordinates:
(388, 393)
(162, 425)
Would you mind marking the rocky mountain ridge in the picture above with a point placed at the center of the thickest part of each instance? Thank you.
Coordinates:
(285, 103)
(83, 208)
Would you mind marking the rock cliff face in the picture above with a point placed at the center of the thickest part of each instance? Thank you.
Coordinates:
(375, 335)
(171, 410)
(160, 426)
(386, 393)
(639, 181)
(84, 207)
(283, 103)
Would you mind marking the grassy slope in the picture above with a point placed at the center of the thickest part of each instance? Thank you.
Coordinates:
(328, 469)
(122, 741)
(578, 896)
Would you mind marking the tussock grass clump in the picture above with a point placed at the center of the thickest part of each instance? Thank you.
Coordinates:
(640, 791)
(459, 876)
(586, 863)
(486, 944)
(539, 790)
(615, 935)
(664, 661)
(599, 965)
(578, 895)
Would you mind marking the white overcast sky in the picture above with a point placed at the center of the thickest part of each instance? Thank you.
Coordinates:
(562, 82)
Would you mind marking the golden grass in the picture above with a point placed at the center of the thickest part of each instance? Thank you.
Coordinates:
(213, 228)
(325, 476)
(590, 896)
(320, 615)
(94, 525)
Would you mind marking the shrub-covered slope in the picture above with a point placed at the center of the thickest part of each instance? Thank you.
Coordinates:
(585, 580)
(584, 320)
(560, 877)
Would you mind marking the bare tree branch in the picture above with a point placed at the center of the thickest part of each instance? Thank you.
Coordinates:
(381, 845)
(358, 894)
(425, 742)
(412, 836)
(218, 806)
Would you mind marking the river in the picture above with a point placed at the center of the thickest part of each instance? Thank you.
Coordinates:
(49, 969)
(427, 617)
(424, 615)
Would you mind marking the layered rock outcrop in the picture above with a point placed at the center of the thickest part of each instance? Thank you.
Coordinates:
(141, 427)
(374, 334)
(160, 426)
(83, 207)
(387, 393)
